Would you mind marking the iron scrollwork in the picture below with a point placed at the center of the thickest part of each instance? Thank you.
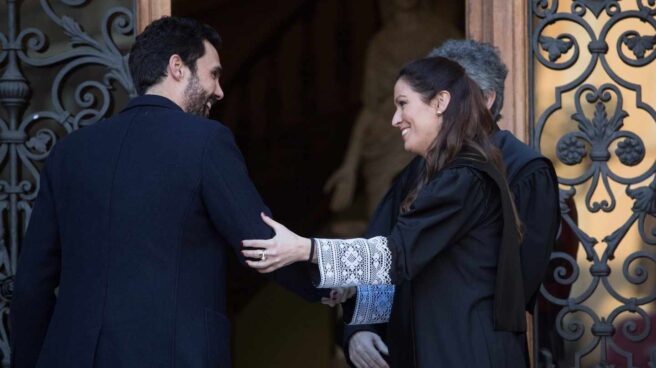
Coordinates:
(590, 146)
(27, 139)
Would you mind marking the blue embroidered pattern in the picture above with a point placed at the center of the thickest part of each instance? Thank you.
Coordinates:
(373, 304)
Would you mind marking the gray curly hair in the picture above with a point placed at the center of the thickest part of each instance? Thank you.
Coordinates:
(483, 65)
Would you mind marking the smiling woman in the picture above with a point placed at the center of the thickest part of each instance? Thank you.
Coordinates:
(457, 230)
(418, 121)
(441, 111)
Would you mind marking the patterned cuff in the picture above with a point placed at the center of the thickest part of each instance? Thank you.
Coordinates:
(353, 262)
(373, 304)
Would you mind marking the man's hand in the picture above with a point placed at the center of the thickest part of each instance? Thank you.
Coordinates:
(365, 349)
(339, 296)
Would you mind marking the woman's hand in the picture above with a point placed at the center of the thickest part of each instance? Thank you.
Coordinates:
(283, 249)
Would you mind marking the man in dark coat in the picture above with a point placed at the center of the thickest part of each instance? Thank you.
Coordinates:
(531, 179)
(134, 220)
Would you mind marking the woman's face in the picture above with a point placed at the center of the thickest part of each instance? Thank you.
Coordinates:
(418, 121)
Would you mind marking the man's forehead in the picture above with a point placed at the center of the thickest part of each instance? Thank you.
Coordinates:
(210, 50)
(211, 56)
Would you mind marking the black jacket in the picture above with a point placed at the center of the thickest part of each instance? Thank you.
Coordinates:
(133, 222)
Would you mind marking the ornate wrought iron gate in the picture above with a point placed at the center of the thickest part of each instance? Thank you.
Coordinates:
(592, 84)
(53, 82)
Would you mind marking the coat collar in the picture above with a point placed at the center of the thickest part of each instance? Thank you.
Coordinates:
(152, 100)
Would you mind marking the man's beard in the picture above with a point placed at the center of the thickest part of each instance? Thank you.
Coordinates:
(196, 99)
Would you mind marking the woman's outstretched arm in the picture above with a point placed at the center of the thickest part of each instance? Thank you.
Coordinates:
(446, 209)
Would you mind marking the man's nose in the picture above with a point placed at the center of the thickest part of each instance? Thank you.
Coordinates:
(219, 92)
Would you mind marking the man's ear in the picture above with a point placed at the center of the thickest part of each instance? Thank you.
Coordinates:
(441, 102)
(490, 97)
(176, 67)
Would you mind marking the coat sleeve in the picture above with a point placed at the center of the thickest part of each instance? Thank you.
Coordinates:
(445, 209)
(382, 222)
(373, 305)
(37, 277)
(234, 207)
(536, 196)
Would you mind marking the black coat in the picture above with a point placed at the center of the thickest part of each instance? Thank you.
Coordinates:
(532, 182)
(445, 252)
(133, 222)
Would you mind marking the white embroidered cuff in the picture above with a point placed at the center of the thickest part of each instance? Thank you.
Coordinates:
(353, 262)
(373, 304)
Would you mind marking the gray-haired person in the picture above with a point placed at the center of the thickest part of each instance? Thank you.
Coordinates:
(532, 181)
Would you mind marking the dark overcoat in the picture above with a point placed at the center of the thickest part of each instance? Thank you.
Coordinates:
(133, 223)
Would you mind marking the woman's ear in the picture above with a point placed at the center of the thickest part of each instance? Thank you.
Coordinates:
(441, 102)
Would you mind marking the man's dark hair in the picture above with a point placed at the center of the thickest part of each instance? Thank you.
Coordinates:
(162, 38)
